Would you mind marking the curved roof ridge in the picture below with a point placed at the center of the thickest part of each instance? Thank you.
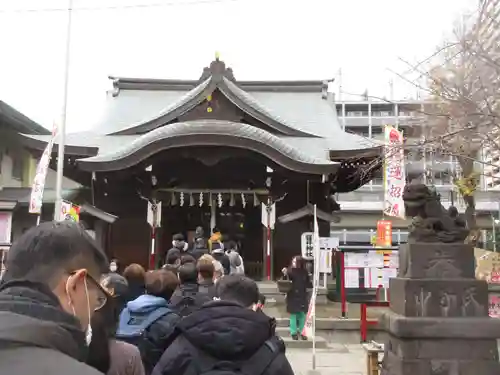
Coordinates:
(185, 103)
(248, 100)
(263, 141)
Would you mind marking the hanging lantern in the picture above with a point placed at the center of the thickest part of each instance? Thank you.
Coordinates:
(255, 200)
(201, 199)
(231, 200)
(182, 199)
(173, 201)
(191, 200)
(219, 200)
(243, 200)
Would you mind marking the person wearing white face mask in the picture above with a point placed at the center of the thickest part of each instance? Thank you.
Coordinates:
(50, 290)
(113, 266)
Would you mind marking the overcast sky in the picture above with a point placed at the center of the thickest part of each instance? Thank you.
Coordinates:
(259, 39)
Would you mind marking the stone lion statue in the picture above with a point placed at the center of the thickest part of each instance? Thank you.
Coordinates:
(431, 221)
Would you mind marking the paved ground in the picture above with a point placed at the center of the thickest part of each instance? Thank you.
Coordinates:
(339, 359)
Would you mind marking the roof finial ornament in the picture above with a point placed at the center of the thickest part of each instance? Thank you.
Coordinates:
(217, 55)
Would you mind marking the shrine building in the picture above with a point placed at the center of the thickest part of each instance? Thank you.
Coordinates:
(215, 152)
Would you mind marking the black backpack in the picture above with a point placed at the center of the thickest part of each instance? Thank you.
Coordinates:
(188, 303)
(204, 364)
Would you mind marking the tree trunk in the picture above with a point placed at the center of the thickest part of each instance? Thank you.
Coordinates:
(467, 166)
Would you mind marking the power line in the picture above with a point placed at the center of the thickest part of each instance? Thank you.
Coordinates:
(118, 7)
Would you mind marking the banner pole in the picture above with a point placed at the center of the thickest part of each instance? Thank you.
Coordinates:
(64, 115)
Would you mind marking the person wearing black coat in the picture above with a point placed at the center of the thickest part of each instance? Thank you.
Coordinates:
(297, 298)
(225, 332)
(179, 247)
(188, 289)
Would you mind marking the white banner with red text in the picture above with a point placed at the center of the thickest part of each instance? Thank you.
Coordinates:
(38, 186)
(394, 173)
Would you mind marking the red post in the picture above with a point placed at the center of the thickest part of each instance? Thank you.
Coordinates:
(153, 249)
(363, 322)
(343, 301)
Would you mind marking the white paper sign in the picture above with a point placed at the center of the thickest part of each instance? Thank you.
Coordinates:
(325, 261)
(351, 278)
(328, 242)
(358, 260)
(375, 259)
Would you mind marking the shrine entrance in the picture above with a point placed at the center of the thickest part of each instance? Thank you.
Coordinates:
(237, 221)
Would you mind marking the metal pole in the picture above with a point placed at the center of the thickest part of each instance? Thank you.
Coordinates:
(494, 229)
(268, 243)
(62, 126)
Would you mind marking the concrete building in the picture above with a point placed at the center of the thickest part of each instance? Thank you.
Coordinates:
(489, 37)
(361, 209)
(17, 170)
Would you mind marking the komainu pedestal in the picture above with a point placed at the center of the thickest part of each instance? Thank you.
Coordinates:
(438, 322)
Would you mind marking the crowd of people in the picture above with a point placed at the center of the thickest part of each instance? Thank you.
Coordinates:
(64, 309)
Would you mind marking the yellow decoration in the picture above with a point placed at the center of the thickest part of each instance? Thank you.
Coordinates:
(467, 185)
(217, 55)
(209, 109)
(209, 98)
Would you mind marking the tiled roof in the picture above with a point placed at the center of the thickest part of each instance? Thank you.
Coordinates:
(210, 132)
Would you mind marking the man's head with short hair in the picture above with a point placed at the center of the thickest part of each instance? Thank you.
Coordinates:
(173, 258)
(187, 258)
(134, 273)
(239, 289)
(161, 283)
(231, 245)
(178, 237)
(62, 256)
(188, 273)
(179, 242)
(207, 257)
(205, 269)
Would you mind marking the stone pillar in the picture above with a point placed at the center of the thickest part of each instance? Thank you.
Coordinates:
(438, 322)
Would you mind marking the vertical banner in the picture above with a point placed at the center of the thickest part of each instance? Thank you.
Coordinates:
(394, 173)
(384, 233)
(154, 220)
(35, 206)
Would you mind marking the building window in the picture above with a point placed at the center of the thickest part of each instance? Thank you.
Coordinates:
(17, 167)
(378, 177)
(360, 130)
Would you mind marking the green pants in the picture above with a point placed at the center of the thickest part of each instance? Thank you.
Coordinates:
(297, 323)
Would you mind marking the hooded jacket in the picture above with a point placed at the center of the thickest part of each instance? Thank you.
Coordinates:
(156, 336)
(225, 331)
(36, 335)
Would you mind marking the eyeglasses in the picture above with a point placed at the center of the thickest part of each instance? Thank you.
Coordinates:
(102, 293)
